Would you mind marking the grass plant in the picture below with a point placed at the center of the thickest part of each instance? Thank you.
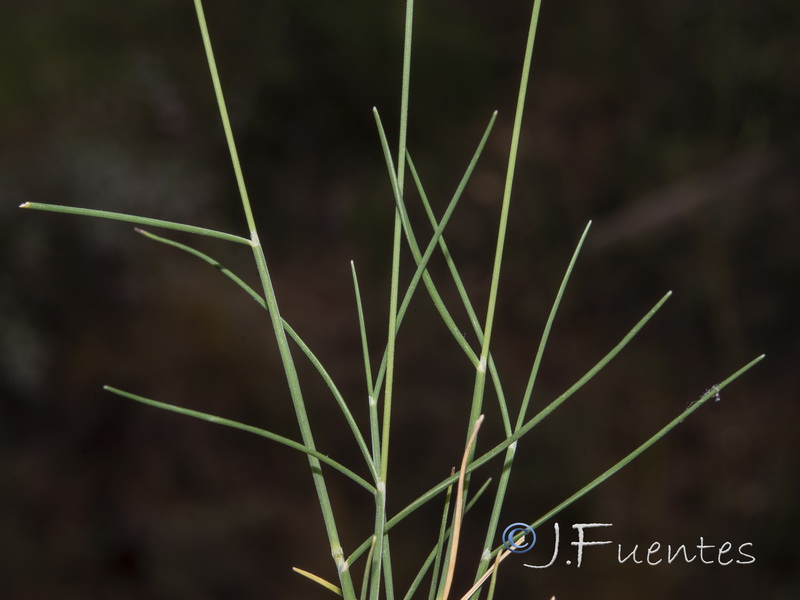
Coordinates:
(370, 562)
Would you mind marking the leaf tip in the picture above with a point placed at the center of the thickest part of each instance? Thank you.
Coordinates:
(25, 205)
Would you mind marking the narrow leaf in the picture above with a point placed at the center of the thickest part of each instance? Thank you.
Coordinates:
(248, 428)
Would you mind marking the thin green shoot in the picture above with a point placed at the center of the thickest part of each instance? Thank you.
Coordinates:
(422, 260)
(249, 429)
(382, 551)
(364, 584)
(711, 393)
(480, 373)
(372, 403)
(439, 550)
(529, 425)
(337, 395)
(436, 553)
(462, 292)
(277, 323)
(494, 518)
(145, 221)
(226, 122)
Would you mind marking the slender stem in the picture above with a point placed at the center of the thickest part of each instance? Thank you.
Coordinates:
(317, 579)
(388, 577)
(459, 511)
(223, 112)
(711, 393)
(512, 162)
(502, 486)
(249, 429)
(435, 555)
(146, 221)
(390, 347)
(337, 395)
(547, 328)
(439, 549)
(382, 550)
(495, 570)
(302, 420)
(422, 259)
(365, 583)
(380, 497)
(404, 94)
(529, 425)
(492, 572)
(372, 404)
(462, 292)
(277, 324)
(375, 563)
(480, 374)
(362, 326)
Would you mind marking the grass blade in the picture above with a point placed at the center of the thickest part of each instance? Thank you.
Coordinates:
(439, 238)
(223, 113)
(439, 547)
(711, 393)
(436, 553)
(421, 271)
(146, 221)
(380, 498)
(363, 330)
(359, 438)
(530, 424)
(249, 429)
(480, 373)
(365, 583)
(502, 486)
(374, 425)
(277, 323)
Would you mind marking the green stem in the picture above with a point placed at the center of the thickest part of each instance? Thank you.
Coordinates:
(337, 395)
(438, 237)
(223, 113)
(390, 347)
(440, 551)
(372, 404)
(382, 550)
(277, 324)
(711, 393)
(529, 425)
(502, 486)
(480, 374)
(422, 259)
(146, 221)
(249, 429)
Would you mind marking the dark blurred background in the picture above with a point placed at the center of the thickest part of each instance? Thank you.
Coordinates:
(673, 125)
